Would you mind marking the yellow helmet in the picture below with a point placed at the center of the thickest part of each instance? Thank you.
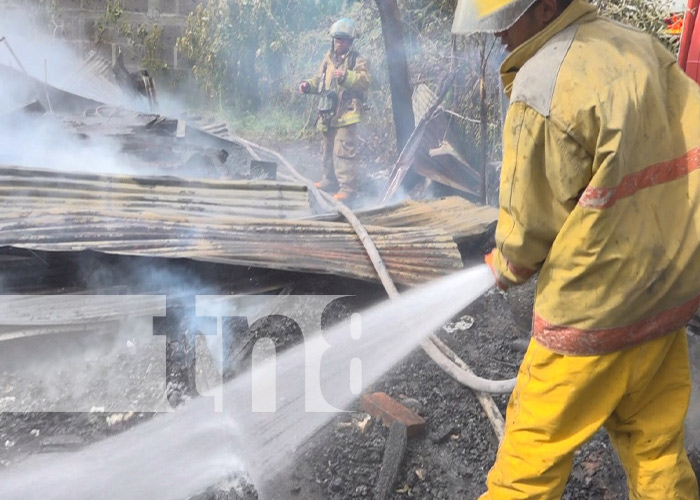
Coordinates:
(487, 16)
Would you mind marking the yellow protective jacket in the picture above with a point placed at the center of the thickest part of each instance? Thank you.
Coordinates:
(600, 188)
(350, 89)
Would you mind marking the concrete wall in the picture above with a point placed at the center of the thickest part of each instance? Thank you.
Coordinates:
(75, 22)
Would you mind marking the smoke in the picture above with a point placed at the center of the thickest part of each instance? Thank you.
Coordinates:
(83, 353)
(34, 139)
(61, 112)
(30, 48)
(51, 116)
(102, 352)
(45, 142)
(38, 54)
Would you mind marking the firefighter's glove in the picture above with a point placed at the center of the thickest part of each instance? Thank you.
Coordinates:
(304, 87)
(488, 259)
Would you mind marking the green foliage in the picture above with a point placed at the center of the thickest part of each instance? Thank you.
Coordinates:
(275, 122)
(152, 42)
(249, 55)
(113, 13)
(207, 42)
(145, 39)
(424, 15)
(240, 49)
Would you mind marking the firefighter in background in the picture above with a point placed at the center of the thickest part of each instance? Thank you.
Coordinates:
(342, 80)
(600, 193)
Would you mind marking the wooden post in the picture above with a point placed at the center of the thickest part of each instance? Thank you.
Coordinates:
(399, 81)
(483, 117)
(393, 456)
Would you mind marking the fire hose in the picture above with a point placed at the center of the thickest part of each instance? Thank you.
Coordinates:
(435, 348)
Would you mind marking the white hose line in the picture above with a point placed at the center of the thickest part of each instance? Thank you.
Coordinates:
(485, 399)
(461, 372)
(437, 350)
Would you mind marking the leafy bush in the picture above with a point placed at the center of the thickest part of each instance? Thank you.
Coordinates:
(249, 56)
(238, 48)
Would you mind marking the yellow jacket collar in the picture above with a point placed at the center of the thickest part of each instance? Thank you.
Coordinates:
(579, 10)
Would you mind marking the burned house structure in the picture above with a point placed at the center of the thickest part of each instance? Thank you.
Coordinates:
(97, 196)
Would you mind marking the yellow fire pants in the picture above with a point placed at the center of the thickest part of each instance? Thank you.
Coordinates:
(341, 165)
(639, 394)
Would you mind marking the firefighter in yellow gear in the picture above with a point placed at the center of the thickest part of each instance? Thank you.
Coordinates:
(600, 195)
(342, 80)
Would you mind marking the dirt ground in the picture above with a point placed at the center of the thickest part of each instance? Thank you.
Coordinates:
(343, 460)
(452, 458)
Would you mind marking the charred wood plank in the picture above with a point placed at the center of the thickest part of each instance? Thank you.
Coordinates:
(394, 452)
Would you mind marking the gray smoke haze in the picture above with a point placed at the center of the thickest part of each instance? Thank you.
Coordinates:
(46, 143)
(50, 136)
(45, 140)
(56, 62)
(94, 352)
(100, 363)
(49, 59)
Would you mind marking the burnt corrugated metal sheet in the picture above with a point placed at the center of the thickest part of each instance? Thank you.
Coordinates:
(436, 157)
(28, 192)
(471, 226)
(412, 255)
(252, 223)
(456, 216)
(36, 315)
(146, 142)
(20, 89)
(94, 79)
(205, 220)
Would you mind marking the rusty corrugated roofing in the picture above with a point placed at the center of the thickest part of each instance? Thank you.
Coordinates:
(245, 222)
(454, 215)
(26, 191)
(436, 157)
(234, 222)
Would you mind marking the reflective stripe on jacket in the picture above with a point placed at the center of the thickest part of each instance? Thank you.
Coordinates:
(350, 89)
(600, 189)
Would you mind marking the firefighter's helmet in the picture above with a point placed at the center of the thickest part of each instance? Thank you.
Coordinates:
(487, 16)
(344, 28)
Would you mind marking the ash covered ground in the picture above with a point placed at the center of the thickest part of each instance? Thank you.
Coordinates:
(343, 460)
(452, 458)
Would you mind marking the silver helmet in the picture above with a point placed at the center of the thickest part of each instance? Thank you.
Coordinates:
(344, 28)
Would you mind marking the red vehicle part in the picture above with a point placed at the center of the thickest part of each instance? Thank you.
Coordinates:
(689, 53)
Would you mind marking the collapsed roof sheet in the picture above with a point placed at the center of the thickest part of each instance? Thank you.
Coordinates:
(27, 192)
(454, 215)
(214, 221)
(253, 223)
